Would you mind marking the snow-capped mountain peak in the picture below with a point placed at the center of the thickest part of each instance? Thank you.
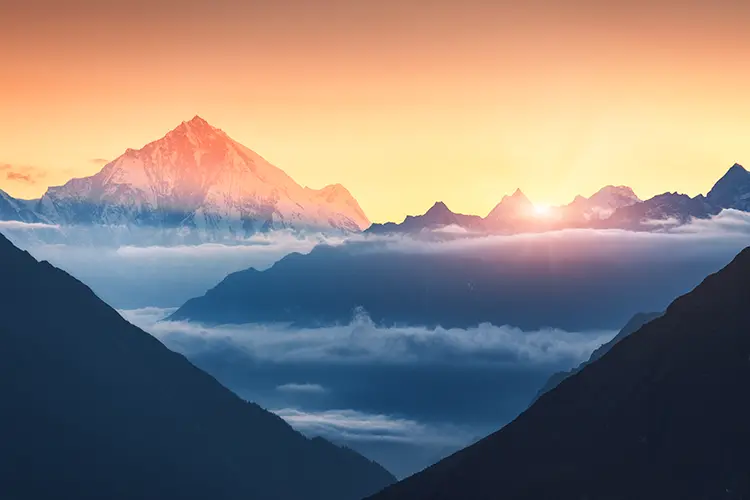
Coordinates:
(197, 177)
(604, 202)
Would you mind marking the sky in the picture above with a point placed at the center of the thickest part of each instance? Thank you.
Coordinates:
(403, 102)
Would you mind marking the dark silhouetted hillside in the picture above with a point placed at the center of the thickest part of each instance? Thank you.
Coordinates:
(663, 415)
(94, 408)
(632, 326)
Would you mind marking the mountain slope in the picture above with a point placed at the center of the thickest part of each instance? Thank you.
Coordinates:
(198, 177)
(732, 190)
(95, 408)
(512, 213)
(12, 209)
(661, 415)
(632, 326)
(600, 205)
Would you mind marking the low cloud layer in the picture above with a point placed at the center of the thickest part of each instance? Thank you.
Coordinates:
(165, 276)
(728, 223)
(405, 397)
(26, 226)
(364, 342)
(131, 275)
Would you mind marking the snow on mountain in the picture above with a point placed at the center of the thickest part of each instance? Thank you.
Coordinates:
(12, 209)
(197, 177)
(603, 203)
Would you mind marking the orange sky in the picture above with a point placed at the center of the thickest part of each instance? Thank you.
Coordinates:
(404, 102)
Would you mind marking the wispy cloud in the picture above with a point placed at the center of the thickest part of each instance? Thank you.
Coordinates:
(12, 224)
(25, 174)
(302, 388)
(99, 161)
(351, 425)
(734, 223)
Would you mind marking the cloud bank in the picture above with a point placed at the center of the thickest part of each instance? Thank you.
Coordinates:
(404, 396)
(165, 276)
(361, 341)
(129, 275)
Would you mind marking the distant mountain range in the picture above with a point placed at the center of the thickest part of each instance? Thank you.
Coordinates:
(528, 288)
(610, 207)
(660, 416)
(94, 408)
(196, 177)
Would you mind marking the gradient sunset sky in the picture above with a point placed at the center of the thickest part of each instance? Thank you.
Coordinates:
(403, 102)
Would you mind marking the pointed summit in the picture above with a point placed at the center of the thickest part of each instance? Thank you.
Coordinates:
(736, 171)
(439, 208)
(737, 167)
(601, 204)
(438, 216)
(197, 176)
(197, 120)
(517, 199)
(197, 126)
(732, 190)
(515, 206)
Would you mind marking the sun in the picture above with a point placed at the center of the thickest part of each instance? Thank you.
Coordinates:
(541, 210)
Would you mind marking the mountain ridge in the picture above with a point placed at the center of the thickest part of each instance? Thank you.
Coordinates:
(613, 207)
(635, 323)
(100, 409)
(198, 177)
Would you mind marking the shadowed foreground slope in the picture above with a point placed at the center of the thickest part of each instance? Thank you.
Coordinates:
(663, 415)
(635, 323)
(95, 408)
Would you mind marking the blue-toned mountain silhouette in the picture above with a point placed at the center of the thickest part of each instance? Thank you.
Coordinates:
(95, 408)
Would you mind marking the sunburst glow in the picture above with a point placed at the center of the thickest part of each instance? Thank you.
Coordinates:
(542, 210)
